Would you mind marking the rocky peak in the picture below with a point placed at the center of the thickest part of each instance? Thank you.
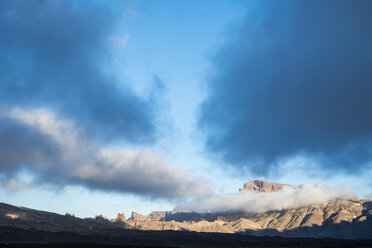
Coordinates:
(137, 216)
(153, 216)
(262, 186)
(120, 217)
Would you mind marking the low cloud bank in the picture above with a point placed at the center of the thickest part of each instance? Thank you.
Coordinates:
(250, 201)
(52, 150)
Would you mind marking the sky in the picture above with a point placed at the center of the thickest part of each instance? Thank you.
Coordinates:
(119, 106)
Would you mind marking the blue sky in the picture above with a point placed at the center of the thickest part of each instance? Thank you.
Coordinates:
(155, 85)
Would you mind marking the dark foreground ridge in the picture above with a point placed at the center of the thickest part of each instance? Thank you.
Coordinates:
(14, 237)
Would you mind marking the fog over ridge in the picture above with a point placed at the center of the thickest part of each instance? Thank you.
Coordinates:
(289, 197)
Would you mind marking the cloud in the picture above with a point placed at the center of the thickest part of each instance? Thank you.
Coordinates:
(54, 151)
(56, 53)
(293, 78)
(61, 106)
(368, 196)
(251, 201)
(29, 142)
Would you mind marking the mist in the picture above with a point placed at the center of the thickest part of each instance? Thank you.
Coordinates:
(289, 197)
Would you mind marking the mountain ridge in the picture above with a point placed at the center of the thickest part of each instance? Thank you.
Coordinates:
(347, 218)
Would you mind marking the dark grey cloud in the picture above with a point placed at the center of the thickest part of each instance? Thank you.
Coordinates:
(21, 145)
(59, 104)
(52, 151)
(294, 78)
(53, 53)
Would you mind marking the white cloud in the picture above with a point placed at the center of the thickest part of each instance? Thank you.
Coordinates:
(78, 160)
(250, 201)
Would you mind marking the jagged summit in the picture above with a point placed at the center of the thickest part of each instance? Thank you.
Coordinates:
(120, 217)
(262, 186)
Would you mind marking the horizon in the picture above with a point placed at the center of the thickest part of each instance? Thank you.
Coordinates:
(121, 106)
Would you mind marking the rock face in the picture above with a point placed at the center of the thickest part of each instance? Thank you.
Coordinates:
(153, 216)
(262, 186)
(140, 217)
(120, 218)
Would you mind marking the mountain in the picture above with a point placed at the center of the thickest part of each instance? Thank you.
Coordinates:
(335, 219)
(262, 186)
(340, 219)
(26, 218)
(351, 218)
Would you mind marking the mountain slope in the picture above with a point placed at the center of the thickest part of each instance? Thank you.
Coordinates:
(25, 218)
(339, 218)
(321, 218)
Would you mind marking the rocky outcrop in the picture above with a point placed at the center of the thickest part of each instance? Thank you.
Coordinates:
(136, 216)
(159, 215)
(262, 186)
(120, 218)
(153, 216)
